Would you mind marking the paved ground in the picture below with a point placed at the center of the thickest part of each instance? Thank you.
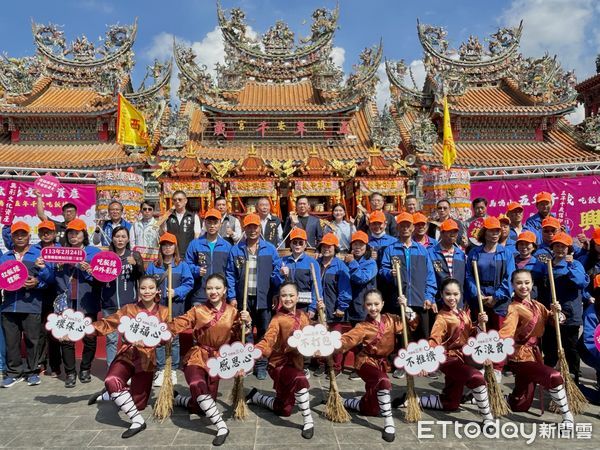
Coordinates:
(49, 415)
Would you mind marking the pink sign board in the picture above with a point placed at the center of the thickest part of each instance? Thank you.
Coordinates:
(8, 200)
(576, 200)
(106, 266)
(47, 184)
(63, 255)
(13, 275)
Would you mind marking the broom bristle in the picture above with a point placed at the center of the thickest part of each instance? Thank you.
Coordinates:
(413, 406)
(497, 401)
(164, 404)
(238, 400)
(576, 400)
(334, 409)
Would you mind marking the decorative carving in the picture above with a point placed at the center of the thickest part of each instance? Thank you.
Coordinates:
(283, 169)
(436, 37)
(18, 75)
(324, 23)
(220, 169)
(423, 134)
(502, 40)
(175, 134)
(279, 38)
(346, 170)
(544, 77)
(472, 50)
(195, 81)
(591, 132)
(362, 82)
(384, 132)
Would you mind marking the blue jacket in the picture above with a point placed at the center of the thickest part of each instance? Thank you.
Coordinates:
(591, 355)
(418, 277)
(183, 282)
(87, 297)
(27, 300)
(571, 284)
(441, 270)
(363, 277)
(300, 274)
(107, 229)
(337, 293)
(200, 255)
(268, 279)
(380, 244)
(123, 290)
(7, 237)
(499, 288)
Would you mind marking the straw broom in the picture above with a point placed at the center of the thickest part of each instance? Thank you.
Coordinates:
(575, 398)
(497, 401)
(334, 408)
(238, 399)
(413, 407)
(164, 404)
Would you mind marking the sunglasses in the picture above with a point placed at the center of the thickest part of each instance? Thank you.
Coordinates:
(147, 209)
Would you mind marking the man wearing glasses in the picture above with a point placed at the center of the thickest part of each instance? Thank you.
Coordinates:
(183, 224)
(443, 211)
(144, 232)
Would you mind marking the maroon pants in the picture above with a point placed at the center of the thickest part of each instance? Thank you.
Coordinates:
(527, 375)
(375, 379)
(200, 383)
(287, 380)
(116, 379)
(458, 374)
(495, 323)
(338, 358)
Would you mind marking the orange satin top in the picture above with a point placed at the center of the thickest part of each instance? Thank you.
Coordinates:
(452, 330)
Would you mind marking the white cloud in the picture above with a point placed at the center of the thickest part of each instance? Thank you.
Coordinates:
(577, 116)
(338, 54)
(382, 93)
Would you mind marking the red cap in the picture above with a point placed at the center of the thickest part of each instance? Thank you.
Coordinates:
(360, 236)
(19, 226)
(543, 197)
(449, 225)
(420, 218)
(513, 205)
(212, 212)
(563, 238)
(377, 216)
(330, 239)
(503, 218)
(252, 219)
(77, 225)
(551, 222)
(596, 236)
(47, 225)
(527, 236)
(491, 223)
(168, 237)
(298, 233)
(404, 217)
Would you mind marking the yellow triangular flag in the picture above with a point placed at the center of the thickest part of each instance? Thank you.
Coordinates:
(449, 148)
(131, 125)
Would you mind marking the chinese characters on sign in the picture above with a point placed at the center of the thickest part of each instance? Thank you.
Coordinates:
(70, 324)
(233, 359)
(8, 196)
(63, 255)
(420, 357)
(313, 339)
(144, 328)
(13, 275)
(106, 266)
(47, 184)
(489, 346)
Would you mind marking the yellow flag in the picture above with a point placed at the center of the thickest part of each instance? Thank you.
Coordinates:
(131, 125)
(449, 148)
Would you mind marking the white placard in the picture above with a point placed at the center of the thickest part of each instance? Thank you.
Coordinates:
(420, 357)
(147, 329)
(313, 339)
(232, 359)
(489, 346)
(70, 324)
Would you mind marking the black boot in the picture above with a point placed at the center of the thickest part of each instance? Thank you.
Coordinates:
(71, 380)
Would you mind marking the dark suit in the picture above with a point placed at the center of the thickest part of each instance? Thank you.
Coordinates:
(390, 224)
(314, 231)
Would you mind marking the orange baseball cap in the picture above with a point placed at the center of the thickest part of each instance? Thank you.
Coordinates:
(377, 216)
(491, 223)
(563, 238)
(420, 218)
(47, 225)
(551, 222)
(597, 281)
(168, 237)
(449, 225)
(19, 226)
(298, 233)
(543, 197)
(513, 205)
(330, 239)
(596, 236)
(527, 236)
(360, 236)
(77, 225)
(503, 218)
(212, 212)
(404, 217)
(252, 219)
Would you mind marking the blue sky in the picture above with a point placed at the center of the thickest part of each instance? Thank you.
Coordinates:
(563, 27)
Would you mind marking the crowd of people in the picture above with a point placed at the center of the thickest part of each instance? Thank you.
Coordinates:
(355, 262)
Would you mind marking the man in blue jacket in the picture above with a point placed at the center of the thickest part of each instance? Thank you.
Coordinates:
(103, 234)
(207, 255)
(263, 279)
(21, 309)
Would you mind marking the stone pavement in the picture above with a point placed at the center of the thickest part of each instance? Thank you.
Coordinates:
(49, 415)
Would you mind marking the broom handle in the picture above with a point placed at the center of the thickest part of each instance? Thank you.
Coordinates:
(170, 290)
(320, 312)
(245, 297)
(479, 296)
(402, 310)
(553, 295)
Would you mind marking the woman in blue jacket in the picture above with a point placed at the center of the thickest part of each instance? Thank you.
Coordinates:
(183, 282)
(83, 294)
(123, 290)
(588, 350)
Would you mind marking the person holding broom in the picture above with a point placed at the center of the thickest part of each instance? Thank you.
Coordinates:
(452, 329)
(133, 361)
(286, 364)
(213, 323)
(525, 322)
